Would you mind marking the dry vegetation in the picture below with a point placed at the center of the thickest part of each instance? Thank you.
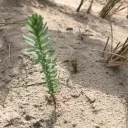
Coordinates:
(112, 7)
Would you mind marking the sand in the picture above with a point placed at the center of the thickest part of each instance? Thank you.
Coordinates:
(94, 97)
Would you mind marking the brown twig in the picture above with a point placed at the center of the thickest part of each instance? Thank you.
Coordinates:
(117, 47)
(127, 11)
(125, 42)
(14, 22)
(108, 53)
(80, 5)
(122, 8)
(105, 46)
(105, 12)
(111, 33)
(90, 7)
(115, 60)
(29, 85)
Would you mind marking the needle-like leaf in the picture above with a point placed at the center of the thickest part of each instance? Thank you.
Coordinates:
(41, 47)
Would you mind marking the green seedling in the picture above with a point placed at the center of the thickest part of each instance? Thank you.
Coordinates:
(74, 65)
(41, 48)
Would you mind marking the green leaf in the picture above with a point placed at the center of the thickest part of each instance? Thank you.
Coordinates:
(43, 45)
(51, 65)
(30, 29)
(39, 20)
(56, 90)
(45, 38)
(30, 22)
(53, 75)
(31, 53)
(30, 50)
(35, 16)
(29, 40)
(44, 30)
(37, 61)
(46, 51)
(52, 70)
(52, 57)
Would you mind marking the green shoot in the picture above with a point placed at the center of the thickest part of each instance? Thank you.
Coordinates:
(42, 49)
(74, 65)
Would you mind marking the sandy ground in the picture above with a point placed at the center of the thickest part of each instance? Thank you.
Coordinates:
(95, 97)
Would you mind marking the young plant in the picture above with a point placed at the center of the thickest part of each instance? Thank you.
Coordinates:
(74, 63)
(42, 49)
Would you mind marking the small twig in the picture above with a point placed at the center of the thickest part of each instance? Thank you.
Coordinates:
(116, 10)
(105, 46)
(127, 11)
(117, 47)
(111, 36)
(54, 101)
(125, 42)
(90, 7)
(123, 50)
(88, 34)
(3, 23)
(111, 33)
(116, 64)
(121, 9)
(108, 53)
(14, 22)
(29, 85)
(89, 99)
(80, 5)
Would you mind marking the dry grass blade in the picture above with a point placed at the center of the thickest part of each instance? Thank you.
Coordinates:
(127, 11)
(90, 6)
(114, 60)
(105, 46)
(112, 7)
(111, 34)
(80, 5)
(108, 53)
(117, 46)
